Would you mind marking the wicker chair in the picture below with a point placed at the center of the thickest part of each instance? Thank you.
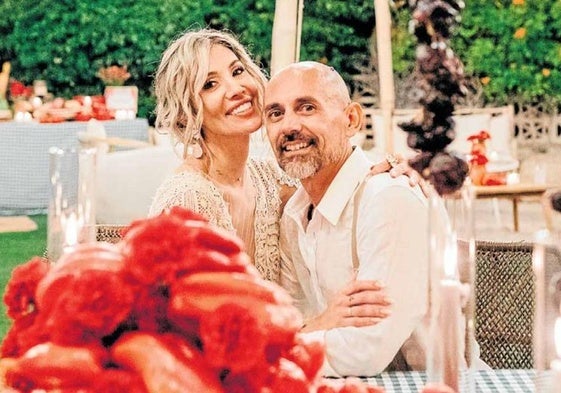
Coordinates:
(504, 305)
(109, 233)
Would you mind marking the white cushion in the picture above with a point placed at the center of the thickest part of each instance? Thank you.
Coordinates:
(127, 181)
(467, 125)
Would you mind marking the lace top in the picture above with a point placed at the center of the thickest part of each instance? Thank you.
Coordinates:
(193, 190)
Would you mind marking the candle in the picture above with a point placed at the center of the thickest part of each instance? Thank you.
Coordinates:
(87, 101)
(513, 178)
(556, 364)
(450, 315)
(72, 225)
(36, 102)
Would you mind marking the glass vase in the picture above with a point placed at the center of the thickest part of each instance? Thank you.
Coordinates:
(546, 261)
(71, 213)
(451, 351)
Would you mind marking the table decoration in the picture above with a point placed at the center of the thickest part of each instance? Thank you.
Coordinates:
(176, 306)
(451, 346)
(547, 319)
(71, 212)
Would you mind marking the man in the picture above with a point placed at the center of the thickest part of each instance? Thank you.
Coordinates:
(309, 119)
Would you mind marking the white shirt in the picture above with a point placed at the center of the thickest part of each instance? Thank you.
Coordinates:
(392, 244)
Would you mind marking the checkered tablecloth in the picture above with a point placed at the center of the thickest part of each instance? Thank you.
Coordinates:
(24, 158)
(491, 381)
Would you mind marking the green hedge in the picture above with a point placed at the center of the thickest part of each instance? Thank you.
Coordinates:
(66, 41)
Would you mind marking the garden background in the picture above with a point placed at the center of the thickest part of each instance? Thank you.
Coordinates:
(511, 48)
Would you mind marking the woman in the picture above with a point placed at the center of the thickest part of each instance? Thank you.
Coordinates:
(209, 96)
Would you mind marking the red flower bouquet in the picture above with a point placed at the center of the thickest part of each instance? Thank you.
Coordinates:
(176, 306)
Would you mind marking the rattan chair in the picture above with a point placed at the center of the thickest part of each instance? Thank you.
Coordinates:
(504, 305)
(109, 233)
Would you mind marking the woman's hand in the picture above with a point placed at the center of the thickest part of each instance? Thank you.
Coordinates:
(398, 166)
(360, 303)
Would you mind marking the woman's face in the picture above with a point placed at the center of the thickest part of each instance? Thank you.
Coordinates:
(229, 95)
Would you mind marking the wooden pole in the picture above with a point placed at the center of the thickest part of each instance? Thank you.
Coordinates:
(385, 68)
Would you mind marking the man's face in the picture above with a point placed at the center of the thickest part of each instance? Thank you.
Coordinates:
(306, 121)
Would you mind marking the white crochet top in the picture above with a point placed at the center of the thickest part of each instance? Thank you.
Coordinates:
(193, 190)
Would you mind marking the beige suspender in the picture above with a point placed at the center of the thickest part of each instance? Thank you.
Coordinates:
(357, 197)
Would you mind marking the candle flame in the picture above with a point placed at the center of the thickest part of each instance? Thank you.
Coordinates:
(71, 229)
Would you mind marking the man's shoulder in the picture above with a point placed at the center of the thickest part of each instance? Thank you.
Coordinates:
(384, 183)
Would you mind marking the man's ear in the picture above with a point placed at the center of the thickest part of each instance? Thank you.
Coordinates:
(355, 117)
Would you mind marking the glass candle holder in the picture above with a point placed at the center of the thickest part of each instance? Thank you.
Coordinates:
(546, 261)
(71, 213)
(450, 355)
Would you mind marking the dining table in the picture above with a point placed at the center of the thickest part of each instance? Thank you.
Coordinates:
(24, 158)
(486, 381)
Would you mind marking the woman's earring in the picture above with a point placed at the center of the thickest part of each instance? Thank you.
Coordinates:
(194, 149)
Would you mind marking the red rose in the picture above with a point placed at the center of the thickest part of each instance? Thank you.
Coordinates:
(50, 366)
(118, 381)
(25, 332)
(91, 307)
(19, 295)
(233, 338)
(84, 258)
(308, 354)
(162, 248)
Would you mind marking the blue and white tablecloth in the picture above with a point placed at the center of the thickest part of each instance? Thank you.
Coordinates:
(487, 381)
(24, 158)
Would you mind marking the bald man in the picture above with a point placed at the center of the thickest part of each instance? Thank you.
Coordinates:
(309, 118)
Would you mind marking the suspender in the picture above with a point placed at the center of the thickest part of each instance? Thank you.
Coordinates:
(357, 197)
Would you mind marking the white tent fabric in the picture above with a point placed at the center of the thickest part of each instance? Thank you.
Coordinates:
(287, 30)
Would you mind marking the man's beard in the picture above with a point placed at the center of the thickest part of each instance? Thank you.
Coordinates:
(301, 167)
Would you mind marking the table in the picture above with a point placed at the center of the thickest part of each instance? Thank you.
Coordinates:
(24, 158)
(487, 381)
(514, 192)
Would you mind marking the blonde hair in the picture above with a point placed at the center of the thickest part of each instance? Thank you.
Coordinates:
(181, 75)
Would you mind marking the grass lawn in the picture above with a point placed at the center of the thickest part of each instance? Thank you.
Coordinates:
(15, 249)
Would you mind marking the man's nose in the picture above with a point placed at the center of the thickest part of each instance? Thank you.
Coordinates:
(290, 124)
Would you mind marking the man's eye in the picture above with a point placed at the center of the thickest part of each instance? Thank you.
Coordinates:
(307, 107)
(272, 115)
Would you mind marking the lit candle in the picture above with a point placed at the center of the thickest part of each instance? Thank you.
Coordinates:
(450, 315)
(556, 364)
(513, 178)
(36, 102)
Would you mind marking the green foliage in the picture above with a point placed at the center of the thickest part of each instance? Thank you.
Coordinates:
(66, 41)
(521, 67)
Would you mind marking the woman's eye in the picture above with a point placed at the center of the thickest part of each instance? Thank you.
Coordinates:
(238, 71)
(209, 85)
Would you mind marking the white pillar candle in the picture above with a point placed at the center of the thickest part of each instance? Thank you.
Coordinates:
(513, 178)
(556, 364)
(450, 315)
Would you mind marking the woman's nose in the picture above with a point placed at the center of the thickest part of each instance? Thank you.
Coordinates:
(234, 88)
